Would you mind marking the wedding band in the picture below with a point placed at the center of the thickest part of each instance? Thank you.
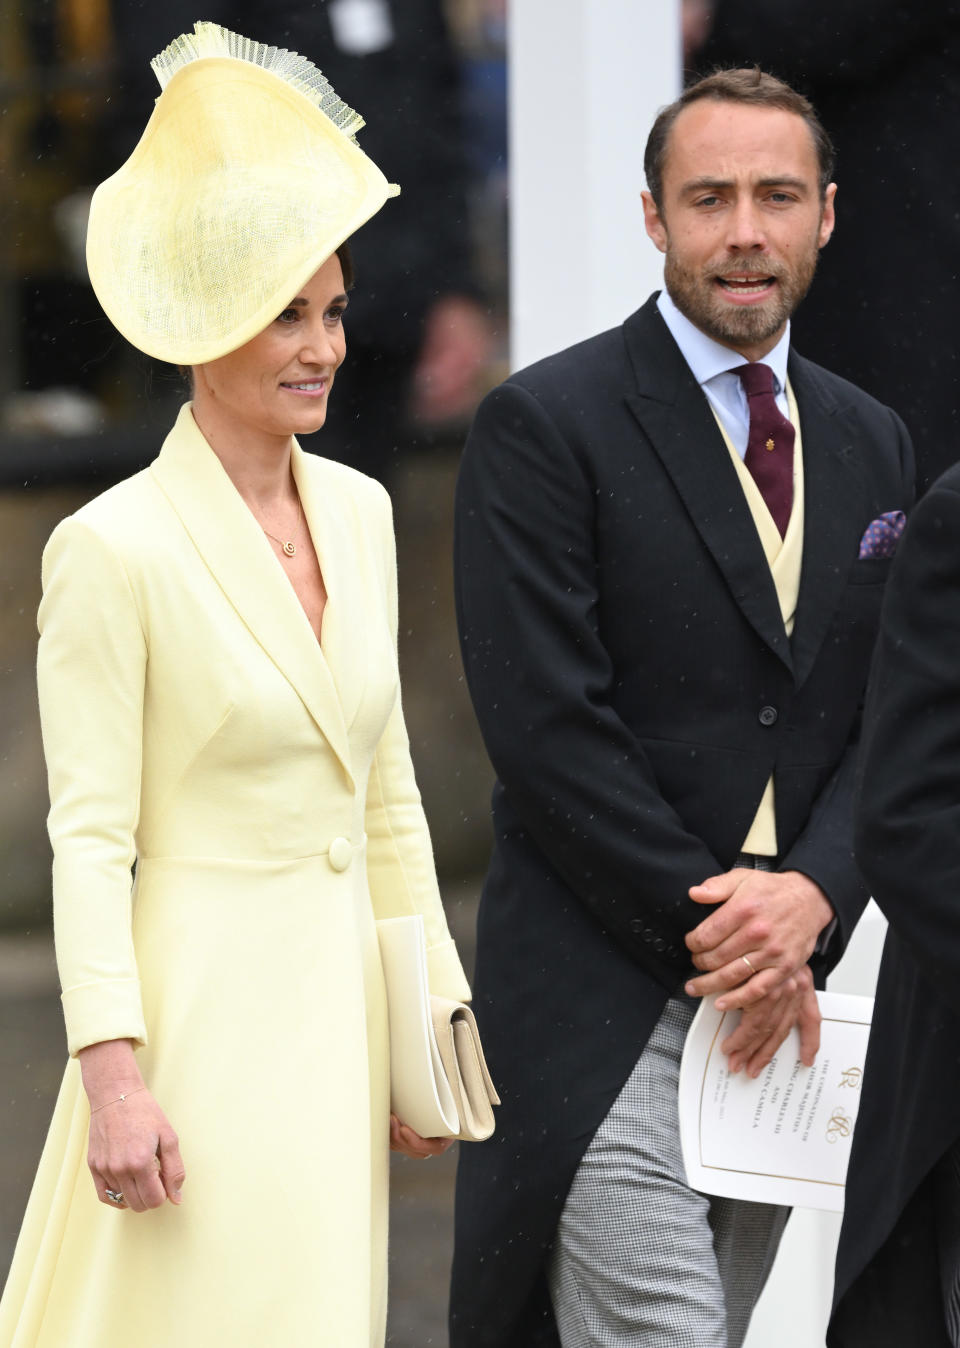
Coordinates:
(115, 1196)
(748, 964)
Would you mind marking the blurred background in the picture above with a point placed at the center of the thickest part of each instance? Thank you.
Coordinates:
(427, 335)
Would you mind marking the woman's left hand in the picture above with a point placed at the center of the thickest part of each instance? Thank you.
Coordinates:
(403, 1138)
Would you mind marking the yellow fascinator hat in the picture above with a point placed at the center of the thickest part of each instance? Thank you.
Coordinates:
(245, 180)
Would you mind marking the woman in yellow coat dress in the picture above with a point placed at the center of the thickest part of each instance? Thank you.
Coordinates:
(219, 699)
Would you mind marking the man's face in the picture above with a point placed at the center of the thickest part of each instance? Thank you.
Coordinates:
(741, 221)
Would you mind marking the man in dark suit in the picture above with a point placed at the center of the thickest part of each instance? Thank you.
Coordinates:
(898, 1266)
(666, 626)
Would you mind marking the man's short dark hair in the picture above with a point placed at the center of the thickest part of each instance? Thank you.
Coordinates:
(752, 87)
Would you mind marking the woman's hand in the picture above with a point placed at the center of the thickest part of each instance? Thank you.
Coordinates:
(403, 1138)
(133, 1151)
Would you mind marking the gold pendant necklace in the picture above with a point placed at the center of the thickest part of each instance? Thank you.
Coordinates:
(289, 547)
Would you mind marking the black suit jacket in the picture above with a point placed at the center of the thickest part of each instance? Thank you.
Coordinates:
(635, 687)
(908, 841)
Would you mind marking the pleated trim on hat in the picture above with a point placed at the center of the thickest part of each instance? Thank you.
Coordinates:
(210, 40)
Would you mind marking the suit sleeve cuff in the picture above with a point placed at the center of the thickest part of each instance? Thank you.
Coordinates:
(96, 1012)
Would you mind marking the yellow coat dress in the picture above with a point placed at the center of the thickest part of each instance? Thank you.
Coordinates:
(262, 782)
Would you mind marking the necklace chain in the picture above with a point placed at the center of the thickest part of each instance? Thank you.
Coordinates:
(289, 547)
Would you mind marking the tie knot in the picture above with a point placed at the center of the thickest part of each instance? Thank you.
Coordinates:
(755, 378)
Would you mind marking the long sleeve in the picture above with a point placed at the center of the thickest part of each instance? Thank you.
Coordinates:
(400, 865)
(91, 668)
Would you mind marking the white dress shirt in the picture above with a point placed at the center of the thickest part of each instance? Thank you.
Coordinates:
(714, 366)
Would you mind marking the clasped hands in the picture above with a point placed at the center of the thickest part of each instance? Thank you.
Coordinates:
(753, 952)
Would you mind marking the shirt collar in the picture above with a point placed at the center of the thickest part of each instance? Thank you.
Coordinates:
(708, 358)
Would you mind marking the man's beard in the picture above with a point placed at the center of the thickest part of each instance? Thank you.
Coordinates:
(698, 298)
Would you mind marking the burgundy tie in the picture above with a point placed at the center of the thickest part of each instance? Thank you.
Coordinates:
(769, 455)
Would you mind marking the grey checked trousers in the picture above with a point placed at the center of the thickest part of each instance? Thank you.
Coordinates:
(641, 1260)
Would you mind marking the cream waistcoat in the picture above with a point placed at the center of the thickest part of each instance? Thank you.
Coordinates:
(784, 557)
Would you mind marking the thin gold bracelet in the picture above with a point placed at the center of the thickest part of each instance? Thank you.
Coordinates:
(119, 1100)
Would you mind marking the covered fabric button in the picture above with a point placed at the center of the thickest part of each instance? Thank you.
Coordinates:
(340, 854)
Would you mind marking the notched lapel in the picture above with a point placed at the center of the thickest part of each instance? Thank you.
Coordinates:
(234, 548)
(833, 509)
(676, 418)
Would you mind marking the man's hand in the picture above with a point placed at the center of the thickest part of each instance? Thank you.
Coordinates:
(765, 1025)
(763, 933)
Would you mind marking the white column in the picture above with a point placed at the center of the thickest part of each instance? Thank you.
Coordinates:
(586, 80)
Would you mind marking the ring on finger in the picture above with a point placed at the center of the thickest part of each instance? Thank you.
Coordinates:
(116, 1196)
(748, 964)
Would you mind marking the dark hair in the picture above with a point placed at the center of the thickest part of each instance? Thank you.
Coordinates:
(346, 264)
(753, 87)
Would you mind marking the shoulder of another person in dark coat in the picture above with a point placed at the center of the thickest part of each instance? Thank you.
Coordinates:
(928, 555)
(931, 537)
(947, 484)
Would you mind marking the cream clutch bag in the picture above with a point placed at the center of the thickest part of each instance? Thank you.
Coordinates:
(439, 1083)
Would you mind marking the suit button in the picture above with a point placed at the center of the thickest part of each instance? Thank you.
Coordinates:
(636, 925)
(768, 715)
(659, 944)
(340, 854)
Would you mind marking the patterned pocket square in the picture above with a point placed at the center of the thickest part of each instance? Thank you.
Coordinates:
(880, 536)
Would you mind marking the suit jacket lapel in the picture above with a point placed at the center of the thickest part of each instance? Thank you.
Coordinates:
(833, 511)
(676, 417)
(238, 554)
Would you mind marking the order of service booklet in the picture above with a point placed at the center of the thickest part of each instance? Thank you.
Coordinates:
(784, 1136)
